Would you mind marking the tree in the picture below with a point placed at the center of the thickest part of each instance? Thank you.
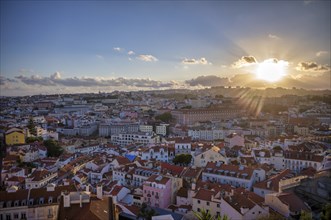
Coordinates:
(33, 139)
(305, 216)
(183, 159)
(326, 212)
(146, 213)
(2, 155)
(53, 148)
(32, 127)
(165, 117)
(205, 215)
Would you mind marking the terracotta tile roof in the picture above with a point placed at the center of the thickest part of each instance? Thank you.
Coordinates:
(294, 202)
(192, 172)
(272, 183)
(172, 169)
(133, 208)
(297, 155)
(16, 179)
(116, 190)
(238, 201)
(309, 171)
(94, 210)
(158, 179)
(224, 169)
(122, 160)
(38, 175)
(215, 186)
(205, 194)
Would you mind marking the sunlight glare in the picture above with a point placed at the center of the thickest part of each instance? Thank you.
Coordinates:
(271, 70)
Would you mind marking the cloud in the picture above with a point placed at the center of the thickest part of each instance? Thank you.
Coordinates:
(210, 80)
(307, 2)
(193, 61)
(244, 61)
(99, 56)
(36, 80)
(321, 53)
(147, 58)
(118, 49)
(131, 52)
(312, 67)
(5, 81)
(56, 80)
(274, 37)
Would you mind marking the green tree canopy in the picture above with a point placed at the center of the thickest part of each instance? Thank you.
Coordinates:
(326, 212)
(205, 215)
(32, 127)
(33, 139)
(146, 213)
(53, 148)
(165, 117)
(183, 159)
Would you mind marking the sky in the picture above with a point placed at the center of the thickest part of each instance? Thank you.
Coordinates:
(52, 47)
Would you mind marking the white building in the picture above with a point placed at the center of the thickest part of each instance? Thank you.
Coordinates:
(156, 152)
(39, 178)
(237, 176)
(129, 138)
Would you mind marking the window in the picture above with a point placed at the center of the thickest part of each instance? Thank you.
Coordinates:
(208, 203)
(8, 217)
(198, 209)
(198, 201)
(218, 205)
(15, 215)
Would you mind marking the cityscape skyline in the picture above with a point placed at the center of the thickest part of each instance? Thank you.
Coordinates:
(69, 47)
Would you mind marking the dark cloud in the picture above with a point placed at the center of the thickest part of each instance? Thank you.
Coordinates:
(202, 61)
(36, 80)
(210, 80)
(312, 67)
(56, 80)
(244, 61)
(5, 81)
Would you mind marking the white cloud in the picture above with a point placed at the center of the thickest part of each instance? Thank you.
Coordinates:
(131, 52)
(321, 53)
(99, 56)
(272, 36)
(147, 58)
(193, 61)
(118, 49)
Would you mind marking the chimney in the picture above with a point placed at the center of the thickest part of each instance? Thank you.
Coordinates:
(80, 200)
(193, 186)
(87, 188)
(99, 191)
(66, 199)
(268, 184)
(50, 187)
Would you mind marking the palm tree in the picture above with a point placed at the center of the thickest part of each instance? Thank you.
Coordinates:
(205, 215)
(146, 213)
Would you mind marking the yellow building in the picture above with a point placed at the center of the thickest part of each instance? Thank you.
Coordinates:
(15, 136)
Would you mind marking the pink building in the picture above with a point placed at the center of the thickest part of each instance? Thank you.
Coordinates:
(157, 191)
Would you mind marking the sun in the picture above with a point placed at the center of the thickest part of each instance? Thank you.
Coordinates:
(271, 70)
